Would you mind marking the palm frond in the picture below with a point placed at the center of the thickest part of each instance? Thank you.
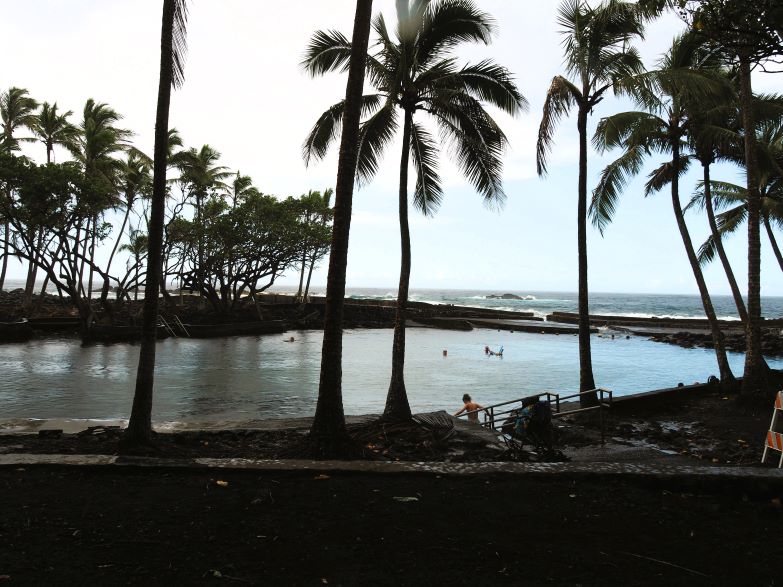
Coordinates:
(731, 220)
(664, 175)
(707, 251)
(613, 179)
(477, 145)
(560, 97)
(725, 194)
(629, 129)
(179, 44)
(375, 134)
(328, 126)
(448, 23)
(327, 51)
(424, 155)
(494, 84)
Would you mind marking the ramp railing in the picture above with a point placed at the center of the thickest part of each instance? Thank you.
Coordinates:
(496, 415)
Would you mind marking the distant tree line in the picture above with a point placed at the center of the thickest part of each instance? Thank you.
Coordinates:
(223, 238)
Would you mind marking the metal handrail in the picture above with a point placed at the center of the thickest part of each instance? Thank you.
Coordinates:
(162, 322)
(491, 416)
(179, 323)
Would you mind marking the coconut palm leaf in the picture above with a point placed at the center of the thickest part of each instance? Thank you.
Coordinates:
(179, 45)
(664, 174)
(447, 24)
(327, 51)
(489, 82)
(327, 128)
(375, 134)
(424, 156)
(613, 179)
(562, 95)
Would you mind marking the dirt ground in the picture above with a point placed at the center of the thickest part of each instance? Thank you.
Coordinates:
(82, 526)
(176, 526)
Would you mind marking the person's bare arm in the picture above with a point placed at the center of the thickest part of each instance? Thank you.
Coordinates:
(462, 410)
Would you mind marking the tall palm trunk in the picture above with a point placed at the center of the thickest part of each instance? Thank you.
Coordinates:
(754, 378)
(4, 268)
(328, 429)
(726, 375)
(586, 381)
(772, 241)
(397, 407)
(139, 431)
(718, 240)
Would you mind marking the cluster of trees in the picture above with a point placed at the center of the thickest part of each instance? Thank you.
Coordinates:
(690, 112)
(696, 107)
(222, 237)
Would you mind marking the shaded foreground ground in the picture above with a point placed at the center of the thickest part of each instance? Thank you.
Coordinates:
(85, 525)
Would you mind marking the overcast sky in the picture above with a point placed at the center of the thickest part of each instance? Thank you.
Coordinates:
(246, 95)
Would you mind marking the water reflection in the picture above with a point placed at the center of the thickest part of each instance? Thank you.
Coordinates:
(265, 377)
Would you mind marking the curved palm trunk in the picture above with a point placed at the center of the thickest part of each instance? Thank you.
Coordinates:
(397, 407)
(139, 431)
(754, 378)
(586, 381)
(716, 238)
(328, 429)
(726, 375)
(773, 242)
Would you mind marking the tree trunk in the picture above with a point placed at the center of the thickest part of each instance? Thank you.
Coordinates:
(397, 407)
(328, 429)
(754, 379)
(718, 240)
(92, 257)
(586, 381)
(301, 277)
(726, 375)
(309, 276)
(139, 431)
(32, 272)
(42, 296)
(4, 268)
(773, 242)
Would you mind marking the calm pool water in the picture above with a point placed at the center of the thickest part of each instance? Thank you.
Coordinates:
(247, 378)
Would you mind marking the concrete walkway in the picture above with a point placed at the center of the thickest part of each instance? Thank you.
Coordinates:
(652, 470)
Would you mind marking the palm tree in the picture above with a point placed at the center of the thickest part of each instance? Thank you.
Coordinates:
(201, 174)
(681, 79)
(314, 214)
(53, 128)
(96, 147)
(598, 57)
(414, 72)
(17, 110)
(135, 180)
(172, 55)
(328, 431)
